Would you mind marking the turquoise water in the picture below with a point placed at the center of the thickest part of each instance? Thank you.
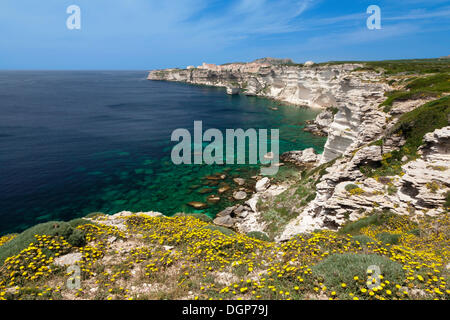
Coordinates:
(72, 143)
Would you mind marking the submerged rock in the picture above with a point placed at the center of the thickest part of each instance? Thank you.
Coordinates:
(239, 195)
(205, 190)
(223, 189)
(213, 198)
(197, 205)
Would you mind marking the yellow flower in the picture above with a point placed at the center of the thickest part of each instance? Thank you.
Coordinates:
(343, 285)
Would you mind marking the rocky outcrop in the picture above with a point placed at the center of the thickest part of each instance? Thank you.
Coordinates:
(320, 125)
(301, 157)
(246, 217)
(420, 189)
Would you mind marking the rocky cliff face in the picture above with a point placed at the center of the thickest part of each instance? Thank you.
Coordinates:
(353, 94)
(353, 120)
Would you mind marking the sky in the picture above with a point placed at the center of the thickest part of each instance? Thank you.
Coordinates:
(152, 34)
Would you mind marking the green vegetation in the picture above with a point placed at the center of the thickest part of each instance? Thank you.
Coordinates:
(447, 200)
(223, 230)
(258, 235)
(391, 189)
(412, 126)
(200, 216)
(363, 239)
(431, 86)
(377, 218)
(414, 66)
(52, 228)
(341, 270)
(389, 238)
(349, 187)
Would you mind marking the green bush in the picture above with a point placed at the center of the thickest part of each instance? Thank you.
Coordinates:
(200, 216)
(389, 238)
(258, 235)
(363, 239)
(77, 238)
(342, 268)
(225, 231)
(349, 187)
(415, 232)
(79, 222)
(377, 219)
(22, 241)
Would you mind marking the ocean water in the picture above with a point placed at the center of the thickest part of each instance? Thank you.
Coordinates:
(72, 143)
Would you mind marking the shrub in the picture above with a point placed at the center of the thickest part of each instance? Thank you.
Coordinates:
(391, 190)
(349, 187)
(415, 232)
(200, 216)
(389, 238)
(223, 230)
(342, 268)
(258, 235)
(375, 219)
(77, 238)
(22, 241)
(363, 239)
(79, 222)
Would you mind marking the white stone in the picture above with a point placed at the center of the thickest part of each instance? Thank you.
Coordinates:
(68, 259)
(262, 184)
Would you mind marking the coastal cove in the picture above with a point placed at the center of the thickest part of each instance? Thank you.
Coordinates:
(72, 143)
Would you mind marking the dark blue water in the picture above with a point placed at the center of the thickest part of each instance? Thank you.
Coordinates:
(72, 143)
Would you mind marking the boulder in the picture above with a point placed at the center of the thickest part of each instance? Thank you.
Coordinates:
(262, 184)
(239, 195)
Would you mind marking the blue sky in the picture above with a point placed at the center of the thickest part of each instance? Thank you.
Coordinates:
(149, 34)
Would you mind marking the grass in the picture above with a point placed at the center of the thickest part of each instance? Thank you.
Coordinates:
(426, 87)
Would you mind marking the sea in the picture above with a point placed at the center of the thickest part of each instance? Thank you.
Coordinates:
(76, 142)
